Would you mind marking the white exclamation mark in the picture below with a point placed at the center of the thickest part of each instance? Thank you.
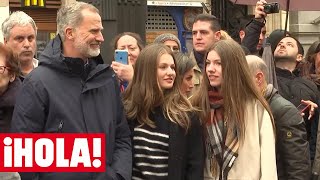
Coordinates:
(7, 153)
(96, 152)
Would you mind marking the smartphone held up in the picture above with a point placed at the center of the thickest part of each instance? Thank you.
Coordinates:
(121, 56)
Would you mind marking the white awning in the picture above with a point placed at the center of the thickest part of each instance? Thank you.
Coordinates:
(174, 3)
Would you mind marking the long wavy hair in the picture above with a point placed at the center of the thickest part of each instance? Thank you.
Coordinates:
(237, 87)
(144, 94)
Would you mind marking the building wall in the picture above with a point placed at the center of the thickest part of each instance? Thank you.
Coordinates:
(273, 21)
(159, 21)
(171, 19)
(4, 13)
(302, 26)
(44, 18)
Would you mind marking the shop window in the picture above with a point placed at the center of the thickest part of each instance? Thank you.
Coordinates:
(43, 38)
(159, 19)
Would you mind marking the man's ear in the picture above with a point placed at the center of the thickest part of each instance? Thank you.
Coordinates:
(299, 57)
(217, 35)
(5, 41)
(69, 33)
(241, 34)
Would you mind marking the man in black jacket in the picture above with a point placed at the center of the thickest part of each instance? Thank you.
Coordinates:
(288, 53)
(291, 86)
(292, 147)
(245, 41)
(72, 91)
(253, 35)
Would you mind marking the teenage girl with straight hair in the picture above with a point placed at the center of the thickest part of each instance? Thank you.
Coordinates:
(239, 129)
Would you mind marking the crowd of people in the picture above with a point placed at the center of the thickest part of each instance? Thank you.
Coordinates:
(228, 110)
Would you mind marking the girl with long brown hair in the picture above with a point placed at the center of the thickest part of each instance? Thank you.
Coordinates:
(166, 136)
(239, 130)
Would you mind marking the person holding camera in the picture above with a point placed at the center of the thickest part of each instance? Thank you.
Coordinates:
(255, 32)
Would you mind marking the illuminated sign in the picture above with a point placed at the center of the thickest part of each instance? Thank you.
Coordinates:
(52, 35)
(174, 3)
(33, 3)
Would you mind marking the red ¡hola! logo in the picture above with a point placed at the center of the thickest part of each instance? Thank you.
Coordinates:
(52, 152)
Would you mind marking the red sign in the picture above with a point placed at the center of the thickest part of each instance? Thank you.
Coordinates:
(49, 152)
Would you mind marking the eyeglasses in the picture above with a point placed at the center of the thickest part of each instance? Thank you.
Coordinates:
(3, 68)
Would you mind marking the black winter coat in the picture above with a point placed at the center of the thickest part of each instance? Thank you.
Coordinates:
(63, 96)
(294, 89)
(7, 101)
(186, 151)
(292, 146)
(251, 39)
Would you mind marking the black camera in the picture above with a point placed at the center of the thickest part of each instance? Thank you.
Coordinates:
(271, 8)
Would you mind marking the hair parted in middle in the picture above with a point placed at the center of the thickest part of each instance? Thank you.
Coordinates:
(114, 42)
(237, 87)
(144, 93)
(184, 64)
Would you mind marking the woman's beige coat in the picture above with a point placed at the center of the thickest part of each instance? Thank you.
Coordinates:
(257, 158)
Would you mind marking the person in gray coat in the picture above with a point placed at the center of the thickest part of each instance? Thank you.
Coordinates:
(72, 91)
(292, 147)
(9, 176)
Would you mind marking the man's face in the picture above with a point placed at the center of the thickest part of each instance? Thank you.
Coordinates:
(203, 36)
(286, 49)
(88, 36)
(261, 38)
(22, 41)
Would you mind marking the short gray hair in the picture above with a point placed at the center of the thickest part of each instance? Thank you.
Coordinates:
(17, 18)
(256, 63)
(71, 15)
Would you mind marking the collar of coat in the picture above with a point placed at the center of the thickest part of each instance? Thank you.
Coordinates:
(53, 57)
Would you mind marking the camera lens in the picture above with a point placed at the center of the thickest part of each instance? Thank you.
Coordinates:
(267, 8)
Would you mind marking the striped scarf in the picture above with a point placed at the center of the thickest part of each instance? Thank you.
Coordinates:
(221, 142)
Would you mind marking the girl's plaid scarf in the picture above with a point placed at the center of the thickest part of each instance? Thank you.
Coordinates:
(221, 142)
